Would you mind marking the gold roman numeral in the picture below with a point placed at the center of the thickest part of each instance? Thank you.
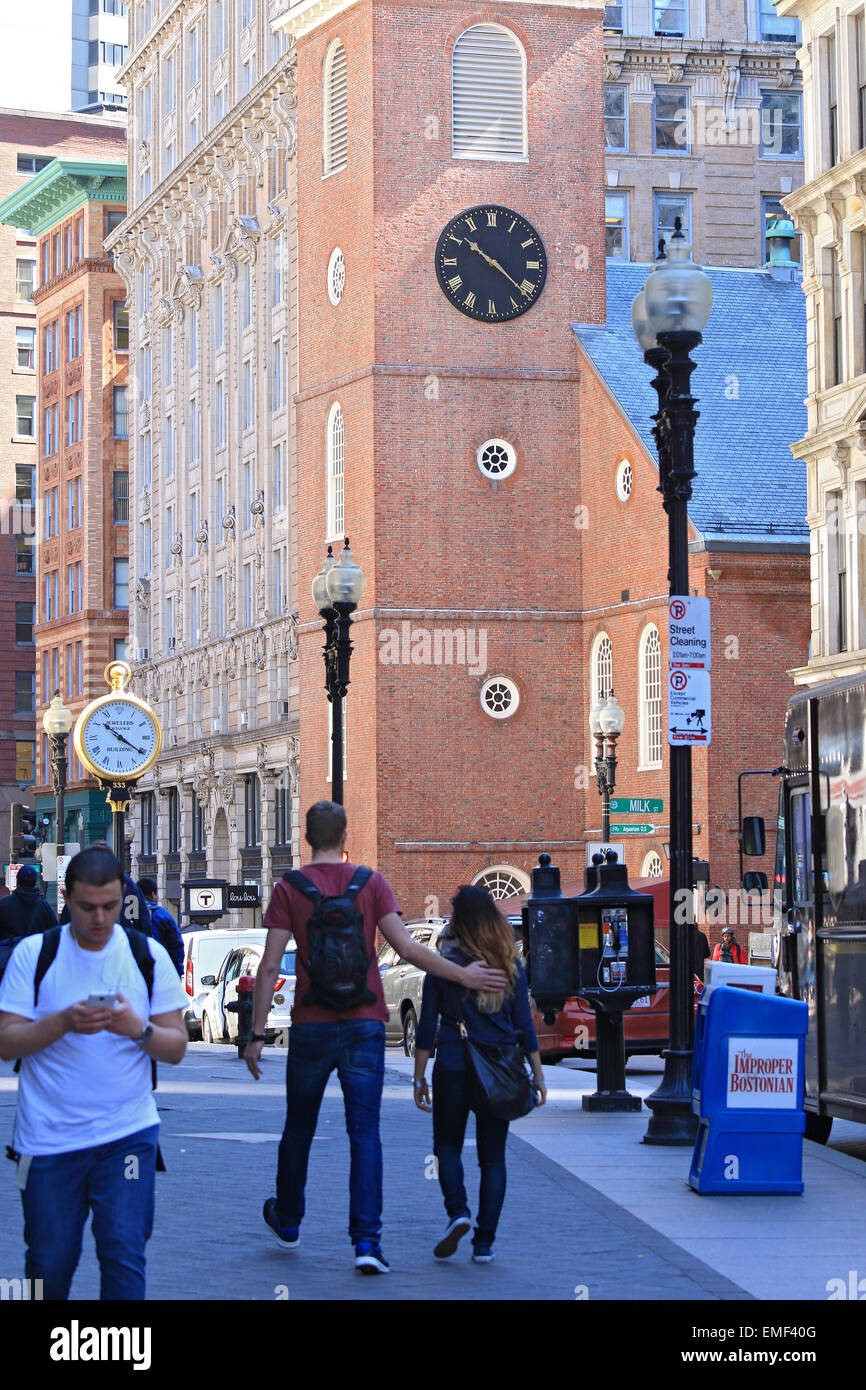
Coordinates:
(455, 282)
(491, 306)
(533, 265)
(514, 304)
(513, 221)
(527, 287)
(469, 301)
(471, 225)
(452, 260)
(452, 237)
(528, 242)
(491, 217)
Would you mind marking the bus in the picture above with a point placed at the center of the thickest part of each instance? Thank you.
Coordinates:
(819, 891)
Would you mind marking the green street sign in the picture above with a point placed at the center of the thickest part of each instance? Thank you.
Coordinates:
(627, 829)
(637, 805)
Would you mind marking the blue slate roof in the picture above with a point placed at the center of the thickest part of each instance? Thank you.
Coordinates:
(750, 383)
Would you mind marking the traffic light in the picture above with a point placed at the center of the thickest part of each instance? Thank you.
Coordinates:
(22, 837)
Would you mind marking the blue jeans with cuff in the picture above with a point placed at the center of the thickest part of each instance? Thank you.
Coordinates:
(355, 1047)
(62, 1189)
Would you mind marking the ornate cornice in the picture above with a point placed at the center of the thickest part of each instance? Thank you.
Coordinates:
(59, 189)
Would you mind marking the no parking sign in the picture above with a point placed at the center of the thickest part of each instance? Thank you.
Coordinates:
(689, 707)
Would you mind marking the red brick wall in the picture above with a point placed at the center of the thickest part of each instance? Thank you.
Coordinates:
(424, 761)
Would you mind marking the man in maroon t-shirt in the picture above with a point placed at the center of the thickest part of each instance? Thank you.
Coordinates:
(321, 1039)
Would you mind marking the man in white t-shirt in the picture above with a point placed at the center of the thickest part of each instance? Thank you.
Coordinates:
(86, 1124)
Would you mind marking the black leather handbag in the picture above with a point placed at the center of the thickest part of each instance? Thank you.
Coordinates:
(500, 1087)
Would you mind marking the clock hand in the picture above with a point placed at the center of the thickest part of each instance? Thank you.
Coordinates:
(123, 739)
(490, 261)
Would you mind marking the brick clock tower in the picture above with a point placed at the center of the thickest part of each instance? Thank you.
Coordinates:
(450, 228)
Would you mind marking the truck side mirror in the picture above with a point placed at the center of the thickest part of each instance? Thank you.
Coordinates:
(754, 880)
(754, 836)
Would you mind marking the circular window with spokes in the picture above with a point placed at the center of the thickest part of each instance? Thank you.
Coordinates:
(497, 459)
(499, 697)
(624, 480)
(336, 276)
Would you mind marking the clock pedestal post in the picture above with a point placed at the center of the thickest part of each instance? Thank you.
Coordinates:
(118, 798)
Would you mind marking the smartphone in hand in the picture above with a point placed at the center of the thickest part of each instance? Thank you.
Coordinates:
(100, 1001)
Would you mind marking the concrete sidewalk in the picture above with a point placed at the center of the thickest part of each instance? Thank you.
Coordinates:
(590, 1212)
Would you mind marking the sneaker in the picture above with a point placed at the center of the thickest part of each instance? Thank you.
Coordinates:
(482, 1255)
(289, 1237)
(454, 1233)
(369, 1258)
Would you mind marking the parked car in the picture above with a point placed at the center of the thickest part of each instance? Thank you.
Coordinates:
(573, 1032)
(204, 950)
(219, 1023)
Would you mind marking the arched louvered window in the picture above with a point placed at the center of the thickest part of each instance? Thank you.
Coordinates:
(336, 515)
(488, 95)
(601, 669)
(335, 124)
(650, 696)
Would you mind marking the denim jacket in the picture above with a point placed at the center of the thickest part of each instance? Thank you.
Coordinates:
(512, 1023)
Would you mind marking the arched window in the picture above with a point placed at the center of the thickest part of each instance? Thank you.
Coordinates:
(650, 688)
(335, 115)
(488, 95)
(503, 881)
(336, 516)
(652, 866)
(601, 669)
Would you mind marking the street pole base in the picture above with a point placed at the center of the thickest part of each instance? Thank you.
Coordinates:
(673, 1121)
(607, 1102)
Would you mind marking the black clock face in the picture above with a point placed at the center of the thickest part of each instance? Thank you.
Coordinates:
(491, 263)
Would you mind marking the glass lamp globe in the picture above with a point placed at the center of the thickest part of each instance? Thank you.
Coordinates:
(595, 718)
(57, 719)
(320, 583)
(345, 580)
(643, 329)
(678, 295)
(612, 717)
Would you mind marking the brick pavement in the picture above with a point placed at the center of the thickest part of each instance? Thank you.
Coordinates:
(557, 1232)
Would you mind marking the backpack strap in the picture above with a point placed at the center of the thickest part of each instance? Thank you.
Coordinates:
(359, 878)
(300, 881)
(47, 952)
(143, 959)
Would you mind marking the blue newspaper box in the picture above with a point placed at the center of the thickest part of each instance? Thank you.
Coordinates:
(747, 1089)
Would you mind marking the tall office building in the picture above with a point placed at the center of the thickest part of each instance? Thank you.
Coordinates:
(64, 55)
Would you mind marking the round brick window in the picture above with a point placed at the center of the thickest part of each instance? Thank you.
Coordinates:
(499, 697)
(336, 275)
(497, 459)
(624, 480)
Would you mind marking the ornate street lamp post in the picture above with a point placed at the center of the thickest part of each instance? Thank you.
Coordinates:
(57, 722)
(606, 722)
(668, 317)
(337, 590)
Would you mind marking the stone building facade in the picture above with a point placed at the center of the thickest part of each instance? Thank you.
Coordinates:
(830, 213)
(29, 141)
(702, 121)
(208, 255)
(82, 502)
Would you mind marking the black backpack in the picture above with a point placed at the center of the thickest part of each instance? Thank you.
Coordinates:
(338, 959)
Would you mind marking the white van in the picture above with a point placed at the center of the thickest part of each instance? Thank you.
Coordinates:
(204, 951)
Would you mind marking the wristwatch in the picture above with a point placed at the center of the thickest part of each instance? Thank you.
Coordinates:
(419, 1084)
(256, 1037)
(144, 1034)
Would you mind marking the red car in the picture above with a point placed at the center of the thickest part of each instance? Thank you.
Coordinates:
(646, 1023)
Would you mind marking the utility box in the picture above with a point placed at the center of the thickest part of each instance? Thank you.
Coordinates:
(616, 945)
(747, 1090)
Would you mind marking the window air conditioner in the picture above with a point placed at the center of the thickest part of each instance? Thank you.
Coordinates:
(245, 719)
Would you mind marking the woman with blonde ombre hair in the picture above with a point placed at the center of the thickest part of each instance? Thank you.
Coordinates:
(477, 931)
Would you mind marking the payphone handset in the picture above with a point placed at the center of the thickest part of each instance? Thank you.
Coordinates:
(613, 962)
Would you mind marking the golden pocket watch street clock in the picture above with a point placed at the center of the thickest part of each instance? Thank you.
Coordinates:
(118, 737)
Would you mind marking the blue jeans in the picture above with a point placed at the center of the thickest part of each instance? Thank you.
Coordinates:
(63, 1188)
(356, 1047)
(450, 1113)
